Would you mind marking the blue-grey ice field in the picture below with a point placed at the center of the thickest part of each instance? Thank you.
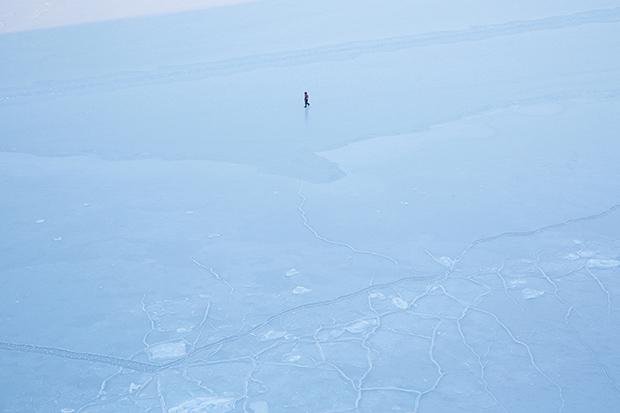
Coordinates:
(439, 232)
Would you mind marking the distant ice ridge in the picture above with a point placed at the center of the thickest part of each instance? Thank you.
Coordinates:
(205, 405)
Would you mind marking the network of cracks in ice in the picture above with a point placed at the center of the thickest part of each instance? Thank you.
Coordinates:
(518, 322)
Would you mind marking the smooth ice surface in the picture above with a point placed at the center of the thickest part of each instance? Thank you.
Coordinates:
(36, 14)
(439, 232)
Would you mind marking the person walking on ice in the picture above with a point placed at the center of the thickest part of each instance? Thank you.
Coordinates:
(306, 100)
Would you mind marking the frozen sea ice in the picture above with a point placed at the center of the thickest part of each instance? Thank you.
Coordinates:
(165, 351)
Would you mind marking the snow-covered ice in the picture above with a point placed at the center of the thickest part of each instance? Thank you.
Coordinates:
(300, 289)
(439, 232)
(531, 293)
(165, 351)
(603, 263)
(205, 405)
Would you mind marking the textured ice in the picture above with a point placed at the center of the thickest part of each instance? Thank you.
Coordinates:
(292, 358)
(586, 253)
(259, 407)
(446, 261)
(439, 232)
(165, 351)
(572, 256)
(299, 290)
(531, 293)
(517, 282)
(133, 387)
(361, 326)
(273, 335)
(603, 263)
(400, 303)
(376, 295)
(205, 405)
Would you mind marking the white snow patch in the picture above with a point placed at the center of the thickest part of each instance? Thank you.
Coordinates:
(292, 272)
(67, 410)
(167, 350)
(57, 239)
(39, 221)
(573, 256)
(259, 407)
(586, 254)
(205, 405)
(530, 293)
(603, 264)
(292, 358)
(133, 387)
(446, 261)
(273, 335)
(360, 326)
(301, 290)
(517, 282)
(400, 303)
(377, 295)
